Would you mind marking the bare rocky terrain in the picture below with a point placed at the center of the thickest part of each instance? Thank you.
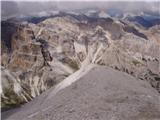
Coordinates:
(102, 93)
(115, 60)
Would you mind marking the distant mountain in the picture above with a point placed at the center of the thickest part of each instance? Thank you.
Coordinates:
(143, 20)
(115, 13)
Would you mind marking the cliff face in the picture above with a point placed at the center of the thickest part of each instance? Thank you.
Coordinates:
(36, 57)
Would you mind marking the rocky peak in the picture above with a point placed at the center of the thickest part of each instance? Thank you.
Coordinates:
(44, 54)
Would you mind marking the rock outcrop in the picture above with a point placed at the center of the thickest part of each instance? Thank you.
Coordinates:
(35, 57)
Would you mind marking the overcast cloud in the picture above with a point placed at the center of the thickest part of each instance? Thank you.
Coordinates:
(15, 8)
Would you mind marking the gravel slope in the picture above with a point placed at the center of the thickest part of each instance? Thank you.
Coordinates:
(101, 94)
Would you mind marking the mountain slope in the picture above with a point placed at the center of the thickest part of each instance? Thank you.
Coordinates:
(36, 57)
(102, 93)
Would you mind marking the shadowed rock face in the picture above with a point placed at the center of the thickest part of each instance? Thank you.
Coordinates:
(134, 31)
(102, 93)
(8, 29)
(145, 21)
(35, 57)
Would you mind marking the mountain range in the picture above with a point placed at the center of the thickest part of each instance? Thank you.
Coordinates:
(67, 65)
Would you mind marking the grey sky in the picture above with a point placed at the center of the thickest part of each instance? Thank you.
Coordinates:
(12, 8)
